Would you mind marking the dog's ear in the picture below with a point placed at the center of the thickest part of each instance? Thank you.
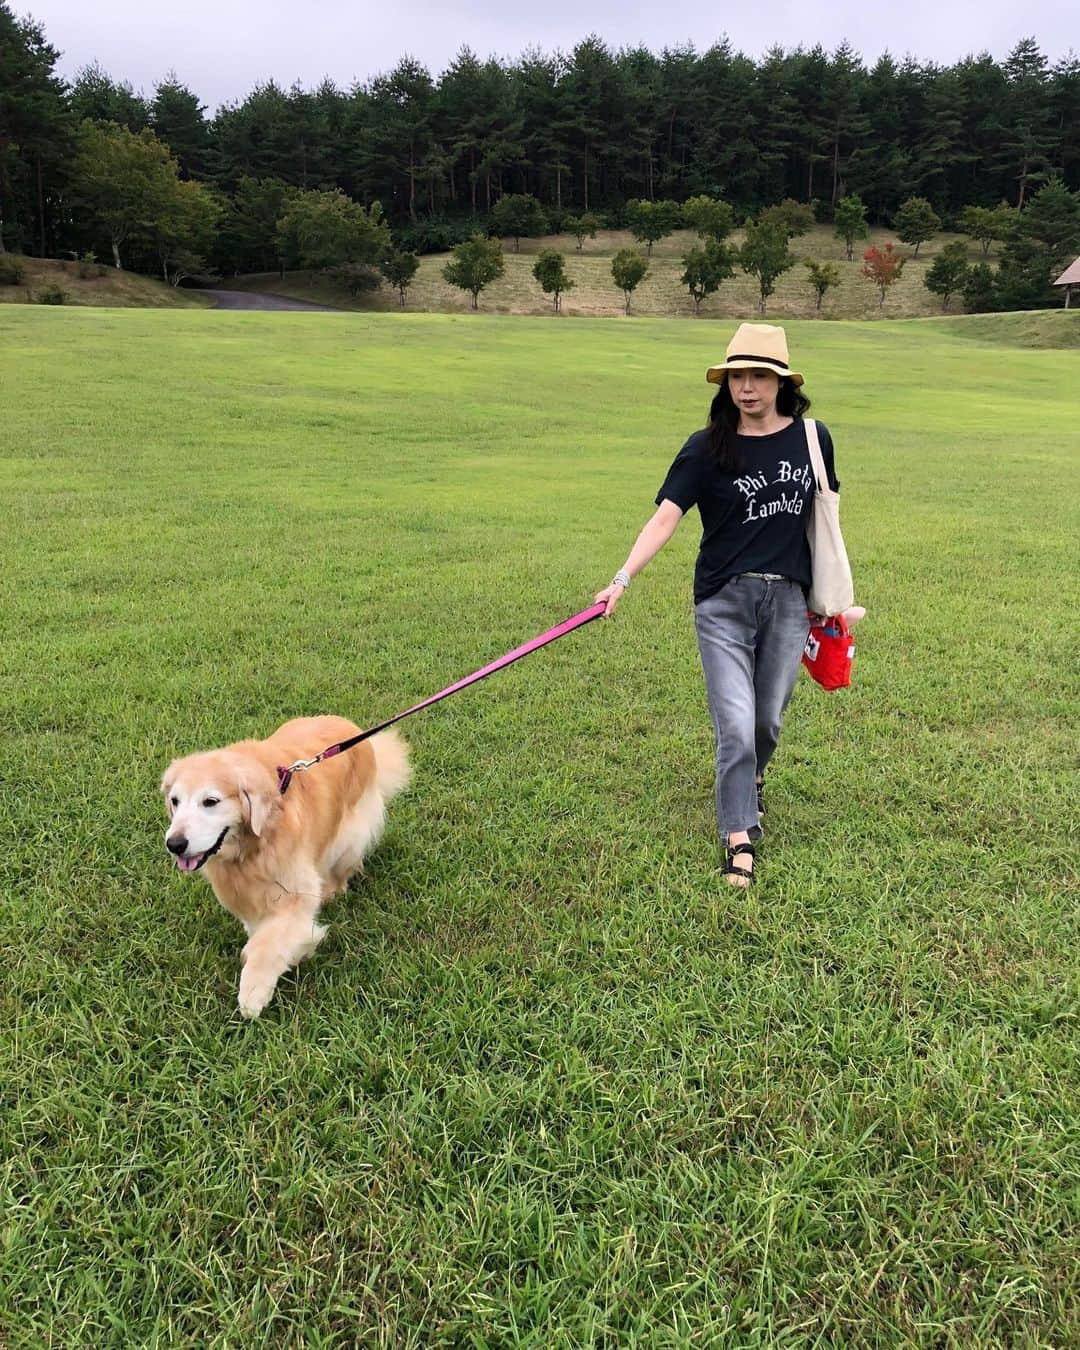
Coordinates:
(260, 800)
(166, 786)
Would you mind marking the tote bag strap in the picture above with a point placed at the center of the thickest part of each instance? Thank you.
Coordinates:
(817, 462)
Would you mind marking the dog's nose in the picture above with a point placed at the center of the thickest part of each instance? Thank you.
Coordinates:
(176, 843)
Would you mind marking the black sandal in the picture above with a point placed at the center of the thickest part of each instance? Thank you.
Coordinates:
(731, 853)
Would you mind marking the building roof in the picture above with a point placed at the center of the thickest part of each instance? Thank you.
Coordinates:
(1071, 275)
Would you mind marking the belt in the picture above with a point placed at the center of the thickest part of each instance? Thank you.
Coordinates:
(765, 576)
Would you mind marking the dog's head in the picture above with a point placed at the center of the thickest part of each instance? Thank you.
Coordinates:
(216, 801)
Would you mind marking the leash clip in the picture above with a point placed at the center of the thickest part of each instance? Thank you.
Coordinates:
(302, 764)
(285, 772)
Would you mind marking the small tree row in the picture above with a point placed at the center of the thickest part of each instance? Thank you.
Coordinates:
(1038, 244)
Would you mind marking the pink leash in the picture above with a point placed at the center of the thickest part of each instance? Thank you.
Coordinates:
(534, 644)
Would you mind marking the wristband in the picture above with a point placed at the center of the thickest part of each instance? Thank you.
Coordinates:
(621, 578)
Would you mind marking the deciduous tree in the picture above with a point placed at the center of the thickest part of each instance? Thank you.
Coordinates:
(850, 224)
(184, 229)
(822, 277)
(916, 221)
(328, 229)
(986, 223)
(793, 217)
(518, 213)
(582, 227)
(712, 219)
(399, 268)
(883, 266)
(629, 270)
(705, 269)
(476, 264)
(764, 255)
(651, 221)
(123, 181)
(550, 272)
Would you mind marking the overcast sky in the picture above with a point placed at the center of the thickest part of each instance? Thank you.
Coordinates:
(221, 48)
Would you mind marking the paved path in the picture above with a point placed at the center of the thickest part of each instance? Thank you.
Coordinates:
(258, 300)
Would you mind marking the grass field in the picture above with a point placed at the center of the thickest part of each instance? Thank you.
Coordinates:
(661, 294)
(549, 1082)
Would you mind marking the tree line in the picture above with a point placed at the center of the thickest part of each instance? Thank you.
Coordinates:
(284, 177)
(1034, 242)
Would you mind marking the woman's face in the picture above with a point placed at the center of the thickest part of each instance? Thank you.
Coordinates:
(754, 391)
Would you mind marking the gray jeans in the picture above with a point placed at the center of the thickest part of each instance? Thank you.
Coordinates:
(751, 635)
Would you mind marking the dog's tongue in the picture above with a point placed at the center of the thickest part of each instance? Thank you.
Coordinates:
(189, 864)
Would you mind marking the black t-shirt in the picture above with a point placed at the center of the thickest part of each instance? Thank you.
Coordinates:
(755, 520)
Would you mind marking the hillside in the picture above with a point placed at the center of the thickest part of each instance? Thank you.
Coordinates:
(660, 294)
(104, 286)
(1038, 328)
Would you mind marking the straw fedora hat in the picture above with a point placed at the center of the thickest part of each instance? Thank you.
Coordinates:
(756, 346)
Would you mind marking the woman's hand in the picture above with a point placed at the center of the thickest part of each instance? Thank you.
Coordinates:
(611, 595)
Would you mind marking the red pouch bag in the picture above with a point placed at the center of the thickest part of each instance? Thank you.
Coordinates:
(829, 653)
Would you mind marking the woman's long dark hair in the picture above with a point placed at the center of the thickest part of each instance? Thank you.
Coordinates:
(724, 422)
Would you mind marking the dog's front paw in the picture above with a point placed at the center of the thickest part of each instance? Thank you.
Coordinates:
(255, 993)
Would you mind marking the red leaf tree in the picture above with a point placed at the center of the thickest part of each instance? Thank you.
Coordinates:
(883, 266)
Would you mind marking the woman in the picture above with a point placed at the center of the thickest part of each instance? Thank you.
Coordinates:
(748, 473)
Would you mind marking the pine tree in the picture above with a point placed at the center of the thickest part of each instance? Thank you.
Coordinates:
(463, 117)
(1027, 140)
(879, 164)
(843, 113)
(401, 128)
(980, 290)
(95, 96)
(1065, 119)
(1045, 239)
(948, 272)
(176, 117)
(585, 88)
(943, 155)
(35, 132)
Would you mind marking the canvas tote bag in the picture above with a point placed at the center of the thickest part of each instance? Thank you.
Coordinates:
(831, 590)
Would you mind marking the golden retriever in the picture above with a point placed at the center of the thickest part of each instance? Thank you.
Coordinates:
(274, 860)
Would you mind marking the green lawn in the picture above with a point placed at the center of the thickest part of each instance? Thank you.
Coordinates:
(548, 1082)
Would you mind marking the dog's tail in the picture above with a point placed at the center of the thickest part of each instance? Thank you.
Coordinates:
(392, 767)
